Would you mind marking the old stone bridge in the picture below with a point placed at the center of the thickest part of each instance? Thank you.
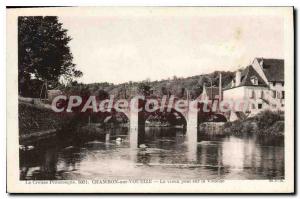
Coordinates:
(191, 113)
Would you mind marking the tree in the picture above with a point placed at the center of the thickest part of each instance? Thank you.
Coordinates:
(43, 51)
(164, 90)
(102, 94)
(144, 89)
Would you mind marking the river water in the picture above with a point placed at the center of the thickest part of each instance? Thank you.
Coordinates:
(164, 153)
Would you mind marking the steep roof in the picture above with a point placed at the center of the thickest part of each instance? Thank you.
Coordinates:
(273, 69)
(246, 75)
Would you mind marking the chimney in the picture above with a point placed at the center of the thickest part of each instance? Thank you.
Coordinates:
(238, 77)
(261, 63)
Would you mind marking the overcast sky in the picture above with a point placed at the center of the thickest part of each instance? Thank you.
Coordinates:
(119, 49)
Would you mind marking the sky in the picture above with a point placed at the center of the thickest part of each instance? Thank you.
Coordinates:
(118, 49)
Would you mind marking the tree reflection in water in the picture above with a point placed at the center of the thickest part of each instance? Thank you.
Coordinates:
(167, 153)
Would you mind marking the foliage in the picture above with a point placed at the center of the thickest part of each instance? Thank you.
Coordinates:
(179, 87)
(264, 123)
(268, 118)
(144, 88)
(43, 51)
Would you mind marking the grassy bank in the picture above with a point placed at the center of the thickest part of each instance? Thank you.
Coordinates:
(34, 119)
(38, 122)
(266, 123)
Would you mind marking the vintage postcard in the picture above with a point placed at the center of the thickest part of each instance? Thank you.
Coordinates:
(150, 100)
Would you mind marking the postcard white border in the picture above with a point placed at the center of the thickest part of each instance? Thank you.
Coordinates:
(14, 185)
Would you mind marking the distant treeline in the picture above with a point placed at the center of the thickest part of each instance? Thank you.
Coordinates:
(180, 87)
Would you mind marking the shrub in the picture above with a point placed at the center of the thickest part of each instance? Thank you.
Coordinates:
(266, 119)
(264, 123)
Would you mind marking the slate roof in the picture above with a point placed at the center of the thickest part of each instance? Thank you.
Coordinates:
(273, 69)
(246, 75)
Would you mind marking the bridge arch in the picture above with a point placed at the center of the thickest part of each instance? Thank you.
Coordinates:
(110, 116)
(173, 117)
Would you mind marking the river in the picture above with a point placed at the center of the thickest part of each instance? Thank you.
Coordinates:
(165, 153)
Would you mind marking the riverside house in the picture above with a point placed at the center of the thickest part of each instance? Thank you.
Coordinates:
(263, 82)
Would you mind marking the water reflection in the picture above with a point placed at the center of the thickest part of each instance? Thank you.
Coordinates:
(191, 143)
(167, 153)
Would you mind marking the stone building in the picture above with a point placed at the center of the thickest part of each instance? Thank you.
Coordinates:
(261, 82)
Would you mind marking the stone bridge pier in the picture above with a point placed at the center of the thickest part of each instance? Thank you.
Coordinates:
(137, 118)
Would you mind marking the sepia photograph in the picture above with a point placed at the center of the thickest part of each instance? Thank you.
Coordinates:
(150, 100)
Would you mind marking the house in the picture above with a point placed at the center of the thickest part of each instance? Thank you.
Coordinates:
(262, 83)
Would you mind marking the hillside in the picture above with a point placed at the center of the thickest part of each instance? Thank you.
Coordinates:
(176, 86)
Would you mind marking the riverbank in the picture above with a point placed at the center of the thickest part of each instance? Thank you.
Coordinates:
(36, 122)
(266, 123)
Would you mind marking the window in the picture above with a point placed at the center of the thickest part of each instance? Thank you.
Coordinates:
(274, 94)
(278, 95)
(253, 106)
(282, 83)
(282, 94)
(254, 80)
(260, 94)
(274, 83)
(259, 106)
(252, 94)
